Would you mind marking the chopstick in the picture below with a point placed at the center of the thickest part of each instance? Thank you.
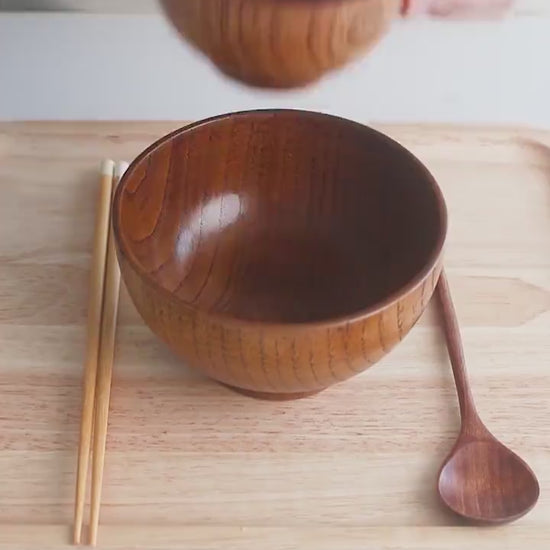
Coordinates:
(95, 307)
(104, 372)
(102, 314)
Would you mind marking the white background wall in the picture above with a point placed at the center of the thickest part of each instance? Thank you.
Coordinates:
(106, 66)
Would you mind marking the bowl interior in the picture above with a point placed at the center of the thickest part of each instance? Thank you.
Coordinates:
(281, 216)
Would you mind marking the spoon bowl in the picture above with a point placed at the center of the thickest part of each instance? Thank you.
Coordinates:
(508, 488)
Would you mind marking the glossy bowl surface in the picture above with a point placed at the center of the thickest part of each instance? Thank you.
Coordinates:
(279, 251)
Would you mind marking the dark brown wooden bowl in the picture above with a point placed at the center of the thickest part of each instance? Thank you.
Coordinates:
(281, 43)
(279, 251)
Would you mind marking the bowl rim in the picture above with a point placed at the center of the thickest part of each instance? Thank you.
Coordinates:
(418, 279)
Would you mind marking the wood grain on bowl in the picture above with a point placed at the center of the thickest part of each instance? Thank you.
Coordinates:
(279, 251)
(281, 43)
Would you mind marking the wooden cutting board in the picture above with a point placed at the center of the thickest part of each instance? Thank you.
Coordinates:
(191, 464)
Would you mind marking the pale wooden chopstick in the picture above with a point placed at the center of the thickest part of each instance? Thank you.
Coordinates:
(93, 338)
(104, 373)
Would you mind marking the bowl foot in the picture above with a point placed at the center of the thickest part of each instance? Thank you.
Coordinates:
(268, 396)
(265, 83)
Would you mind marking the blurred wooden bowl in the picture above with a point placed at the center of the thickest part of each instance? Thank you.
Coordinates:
(281, 43)
(279, 252)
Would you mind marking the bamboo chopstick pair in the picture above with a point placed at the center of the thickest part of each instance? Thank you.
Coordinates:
(102, 315)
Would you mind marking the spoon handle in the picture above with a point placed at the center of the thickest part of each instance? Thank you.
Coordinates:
(468, 411)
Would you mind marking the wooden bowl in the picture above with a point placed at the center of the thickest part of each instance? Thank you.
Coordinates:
(281, 43)
(279, 252)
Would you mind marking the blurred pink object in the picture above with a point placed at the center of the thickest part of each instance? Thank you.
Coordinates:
(458, 9)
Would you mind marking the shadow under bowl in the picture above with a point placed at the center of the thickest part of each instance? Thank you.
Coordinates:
(279, 251)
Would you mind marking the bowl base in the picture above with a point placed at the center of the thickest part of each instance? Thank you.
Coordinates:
(268, 396)
(265, 83)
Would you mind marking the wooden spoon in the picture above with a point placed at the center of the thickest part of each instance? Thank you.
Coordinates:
(481, 479)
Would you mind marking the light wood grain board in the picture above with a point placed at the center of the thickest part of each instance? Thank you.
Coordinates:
(191, 464)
